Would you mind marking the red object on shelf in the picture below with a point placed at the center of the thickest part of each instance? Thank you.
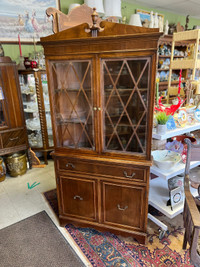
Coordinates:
(179, 83)
(20, 48)
(169, 110)
(33, 64)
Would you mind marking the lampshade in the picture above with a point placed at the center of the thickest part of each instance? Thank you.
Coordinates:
(71, 6)
(112, 8)
(96, 3)
(135, 20)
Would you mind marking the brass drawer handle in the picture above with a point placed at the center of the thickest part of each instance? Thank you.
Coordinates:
(129, 176)
(78, 197)
(70, 165)
(119, 208)
(14, 138)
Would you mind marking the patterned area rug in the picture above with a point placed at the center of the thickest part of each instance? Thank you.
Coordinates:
(107, 249)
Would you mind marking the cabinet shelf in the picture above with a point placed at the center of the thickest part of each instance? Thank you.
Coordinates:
(71, 90)
(177, 131)
(159, 195)
(164, 56)
(178, 169)
(124, 89)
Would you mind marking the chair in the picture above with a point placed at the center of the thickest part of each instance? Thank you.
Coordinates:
(191, 214)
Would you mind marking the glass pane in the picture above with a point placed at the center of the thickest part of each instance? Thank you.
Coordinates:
(73, 103)
(47, 109)
(30, 106)
(126, 86)
(2, 104)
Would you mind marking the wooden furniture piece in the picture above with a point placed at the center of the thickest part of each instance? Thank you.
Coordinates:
(102, 96)
(192, 61)
(77, 16)
(35, 97)
(13, 135)
(191, 215)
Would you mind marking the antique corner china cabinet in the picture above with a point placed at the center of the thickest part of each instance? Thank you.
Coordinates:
(101, 81)
(13, 135)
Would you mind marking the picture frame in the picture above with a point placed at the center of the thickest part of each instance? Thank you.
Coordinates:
(25, 20)
(145, 15)
(176, 197)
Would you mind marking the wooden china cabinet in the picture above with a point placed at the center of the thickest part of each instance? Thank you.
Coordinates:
(13, 135)
(102, 98)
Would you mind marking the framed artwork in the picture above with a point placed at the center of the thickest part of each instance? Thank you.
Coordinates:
(145, 17)
(25, 18)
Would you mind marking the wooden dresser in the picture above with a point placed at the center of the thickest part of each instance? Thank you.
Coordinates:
(102, 97)
(13, 135)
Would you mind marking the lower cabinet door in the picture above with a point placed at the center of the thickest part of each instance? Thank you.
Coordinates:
(124, 205)
(78, 198)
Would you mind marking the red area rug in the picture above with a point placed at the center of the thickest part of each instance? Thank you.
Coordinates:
(107, 249)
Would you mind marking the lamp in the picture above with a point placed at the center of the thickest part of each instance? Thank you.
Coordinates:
(96, 3)
(135, 20)
(112, 8)
(71, 6)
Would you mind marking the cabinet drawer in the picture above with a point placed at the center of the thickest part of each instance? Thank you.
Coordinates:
(112, 170)
(78, 198)
(123, 205)
(13, 138)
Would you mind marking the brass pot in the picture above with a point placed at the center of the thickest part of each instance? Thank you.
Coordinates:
(16, 164)
(2, 170)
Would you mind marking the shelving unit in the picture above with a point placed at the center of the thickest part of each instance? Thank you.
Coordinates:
(159, 192)
(34, 90)
(177, 131)
(180, 46)
(190, 62)
(159, 195)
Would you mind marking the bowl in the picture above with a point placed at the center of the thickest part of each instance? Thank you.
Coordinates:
(165, 159)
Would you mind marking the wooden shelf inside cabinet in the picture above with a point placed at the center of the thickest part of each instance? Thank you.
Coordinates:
(34, 90)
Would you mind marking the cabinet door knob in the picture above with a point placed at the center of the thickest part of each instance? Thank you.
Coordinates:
(78, 197)
(99, 108)
(95, 108)
(129, 176)
(122, 209)
(70, 165)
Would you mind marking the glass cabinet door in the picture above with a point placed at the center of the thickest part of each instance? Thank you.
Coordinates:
(73, 96)
(3, 113)
(126, 85)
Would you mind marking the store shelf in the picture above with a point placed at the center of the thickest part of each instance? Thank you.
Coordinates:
(177, 131)
(159, 195)
(178, 169)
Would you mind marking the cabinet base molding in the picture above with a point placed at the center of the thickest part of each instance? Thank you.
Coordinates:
(140, 237)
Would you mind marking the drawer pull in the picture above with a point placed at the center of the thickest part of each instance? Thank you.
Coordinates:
(70, 165)
(78, 197)
(14, 138)
(119, 208)
(129, 176)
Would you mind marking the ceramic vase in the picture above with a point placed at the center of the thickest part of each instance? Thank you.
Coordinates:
(161, 128)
